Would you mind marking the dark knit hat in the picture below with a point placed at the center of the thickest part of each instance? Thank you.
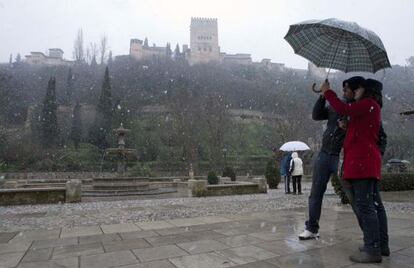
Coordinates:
(354, 82)
(373, 85)
(373, 88)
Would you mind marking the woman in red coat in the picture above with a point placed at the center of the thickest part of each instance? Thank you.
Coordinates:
(362, 162)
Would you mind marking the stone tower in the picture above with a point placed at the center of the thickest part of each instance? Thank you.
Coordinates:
(204, 40)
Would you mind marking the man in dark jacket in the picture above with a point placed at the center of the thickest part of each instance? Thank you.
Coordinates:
(284, 170)
(326, 163)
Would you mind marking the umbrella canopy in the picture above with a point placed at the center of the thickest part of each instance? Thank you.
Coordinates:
(337, 44)
(294, 146)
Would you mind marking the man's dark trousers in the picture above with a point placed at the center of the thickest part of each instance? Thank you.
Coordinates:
(325, 165)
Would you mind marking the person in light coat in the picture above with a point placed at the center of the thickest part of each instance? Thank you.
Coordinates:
(296, 170)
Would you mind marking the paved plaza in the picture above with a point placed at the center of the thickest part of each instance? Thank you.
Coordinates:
(262, 237)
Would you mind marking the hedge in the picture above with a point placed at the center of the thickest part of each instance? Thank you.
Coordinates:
(397, 182)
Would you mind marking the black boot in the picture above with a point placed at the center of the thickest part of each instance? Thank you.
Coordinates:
(385, 251)
(364, 257)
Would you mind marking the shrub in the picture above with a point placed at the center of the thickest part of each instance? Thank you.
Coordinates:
(336, 184)
(229, 172)
(272, 174)
(140, 170)
(212, 178)
(397, 182)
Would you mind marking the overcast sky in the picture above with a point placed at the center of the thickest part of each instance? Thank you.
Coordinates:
(245, 26)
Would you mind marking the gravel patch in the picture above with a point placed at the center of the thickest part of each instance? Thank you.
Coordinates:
(14, 218)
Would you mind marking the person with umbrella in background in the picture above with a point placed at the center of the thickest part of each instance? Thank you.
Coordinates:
(285, 163)
(284, 170)
(362, 162)
(296, 171)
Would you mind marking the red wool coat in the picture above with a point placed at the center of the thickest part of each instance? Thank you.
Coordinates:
(362, 157)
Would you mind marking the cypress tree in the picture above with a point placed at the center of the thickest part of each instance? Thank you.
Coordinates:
(18, 58)
(168, 50)
(76, 130)
(110, 60)
(177, 52)
(103, 119)
(49, 124)
(94, 63)
(69, 88)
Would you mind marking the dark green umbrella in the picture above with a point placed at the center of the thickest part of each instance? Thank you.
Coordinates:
(337, 44)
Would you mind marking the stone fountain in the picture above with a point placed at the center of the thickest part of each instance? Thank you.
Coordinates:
(121, 154)
(122, 185)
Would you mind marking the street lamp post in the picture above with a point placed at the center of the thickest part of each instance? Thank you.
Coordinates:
(225, 155)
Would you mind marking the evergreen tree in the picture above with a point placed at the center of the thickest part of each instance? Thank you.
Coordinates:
(146, 42)
(49, 124)
(94, 63)
(76, 130)
(177, 53)
(69, 88)
(18, 58)
(11, 59)
(168, 50)
(103, 120)
(110, 60)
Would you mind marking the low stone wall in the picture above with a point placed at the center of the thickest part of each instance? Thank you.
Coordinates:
(31, 196)
(198, 188)
(54, 175)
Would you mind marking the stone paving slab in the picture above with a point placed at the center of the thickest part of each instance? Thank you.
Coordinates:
(260, 239)
(152, 264)
(89, 239)
(119, 228)
(159, 253)
(239, 240)
(81, 231)
(214, 219)
(77, 250)
(58, 263)
(36, 235)
(202, 246)
(167, 240)
(51, 243)
(7, 236)
(206, 260)
(10, 259)
(35, 255)
(138, 234)
(246, 254)
(154, 225)
(186, 222)
(126, 245)
(106, 260)
(14, 247)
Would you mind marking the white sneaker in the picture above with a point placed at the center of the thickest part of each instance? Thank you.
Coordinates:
(306, 235)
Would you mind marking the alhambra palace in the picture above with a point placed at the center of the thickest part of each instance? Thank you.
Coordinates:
(204, 47)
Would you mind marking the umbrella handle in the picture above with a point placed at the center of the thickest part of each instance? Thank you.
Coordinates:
(314, 88)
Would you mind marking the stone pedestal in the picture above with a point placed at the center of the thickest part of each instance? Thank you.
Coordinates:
(197, 188)
(73, 191)
(261, 182)
(225, 180)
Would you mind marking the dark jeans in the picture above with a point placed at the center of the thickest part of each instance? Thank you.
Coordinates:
(287, 184)
(296, 181)
(365, 191)
(324, 166)
(381, 214)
